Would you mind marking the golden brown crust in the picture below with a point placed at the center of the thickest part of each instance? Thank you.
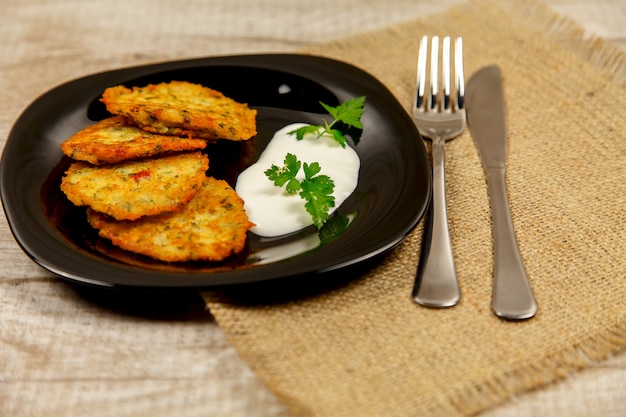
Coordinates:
(211, 227)
(183, 109)
(113, 140)
(130, 190)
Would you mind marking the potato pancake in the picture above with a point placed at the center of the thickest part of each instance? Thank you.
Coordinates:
(183, 109)
(211, 227)
(132, 189)
(113, 140)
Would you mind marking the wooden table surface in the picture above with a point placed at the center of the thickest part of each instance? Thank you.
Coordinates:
(70, 351)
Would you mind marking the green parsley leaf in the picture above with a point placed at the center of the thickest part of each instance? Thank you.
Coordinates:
(339, 137)
(346, 121)
(305, 130)
(333, 228)
(315, 189)
(349, 112)
(286, 174)
(311, 170)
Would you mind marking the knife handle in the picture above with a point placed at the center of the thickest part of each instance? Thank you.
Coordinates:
(512, 295)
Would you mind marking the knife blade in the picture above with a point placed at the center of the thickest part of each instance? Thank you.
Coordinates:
(486, 113)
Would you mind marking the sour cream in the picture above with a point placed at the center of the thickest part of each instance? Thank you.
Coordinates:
(271, 208)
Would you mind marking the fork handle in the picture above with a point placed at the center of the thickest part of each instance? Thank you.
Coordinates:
(436, 284)
(512, 295)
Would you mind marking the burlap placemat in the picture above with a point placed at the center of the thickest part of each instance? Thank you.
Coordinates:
(364, 348)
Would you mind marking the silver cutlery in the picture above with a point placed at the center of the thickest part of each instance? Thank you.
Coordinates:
(439, 117)
(512, 295)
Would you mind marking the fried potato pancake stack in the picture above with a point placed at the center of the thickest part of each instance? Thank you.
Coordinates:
(212, 226)
(142, 175)
(183, 109)
(113, 140)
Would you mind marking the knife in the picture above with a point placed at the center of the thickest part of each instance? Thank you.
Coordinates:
(484, 99)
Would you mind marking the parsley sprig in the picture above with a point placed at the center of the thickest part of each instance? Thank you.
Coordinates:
(346, 118)
(315, 189)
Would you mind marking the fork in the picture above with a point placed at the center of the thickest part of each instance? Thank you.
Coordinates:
(440, 118)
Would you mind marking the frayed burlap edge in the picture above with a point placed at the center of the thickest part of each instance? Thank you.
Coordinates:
(555, 367)
(538, 17)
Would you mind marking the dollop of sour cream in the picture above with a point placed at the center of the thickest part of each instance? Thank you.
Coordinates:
(271, 208)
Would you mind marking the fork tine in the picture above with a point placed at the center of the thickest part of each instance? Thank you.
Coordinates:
(435, 103)
(445, 74)
(458, 71)
(434, 73)
(421, 73)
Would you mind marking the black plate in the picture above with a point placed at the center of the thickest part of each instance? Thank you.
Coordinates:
(391, 197)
